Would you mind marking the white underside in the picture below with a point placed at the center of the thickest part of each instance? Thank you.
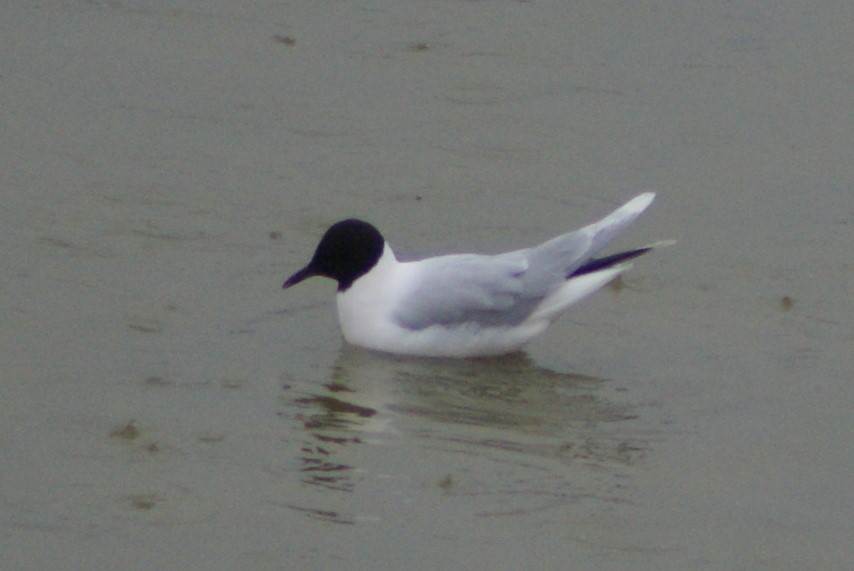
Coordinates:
(366, 315)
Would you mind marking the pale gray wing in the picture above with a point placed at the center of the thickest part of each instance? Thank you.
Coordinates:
(550, 263)
(505, 289)
(556, 260)
(486, 290)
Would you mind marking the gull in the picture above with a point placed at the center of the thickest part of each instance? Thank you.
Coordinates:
(464, 305)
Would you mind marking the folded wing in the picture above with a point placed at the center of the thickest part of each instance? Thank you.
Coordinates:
(504, 290)
(486, 290)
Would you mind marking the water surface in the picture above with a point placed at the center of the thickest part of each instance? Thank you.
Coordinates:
(165, 405)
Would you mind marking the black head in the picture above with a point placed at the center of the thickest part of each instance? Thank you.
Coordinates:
(347, 251)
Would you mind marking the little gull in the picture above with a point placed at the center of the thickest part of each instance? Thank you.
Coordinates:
(464, 305)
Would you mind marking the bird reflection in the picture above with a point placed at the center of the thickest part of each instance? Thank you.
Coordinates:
(331, 422)
(504, 406)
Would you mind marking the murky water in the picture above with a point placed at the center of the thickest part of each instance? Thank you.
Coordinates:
(165, 405)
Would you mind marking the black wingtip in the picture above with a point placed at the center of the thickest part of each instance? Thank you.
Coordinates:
(596, 264)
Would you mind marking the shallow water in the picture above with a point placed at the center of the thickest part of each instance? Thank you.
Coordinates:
(165, 405)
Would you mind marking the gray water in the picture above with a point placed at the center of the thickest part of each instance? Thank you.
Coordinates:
(165, 405)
